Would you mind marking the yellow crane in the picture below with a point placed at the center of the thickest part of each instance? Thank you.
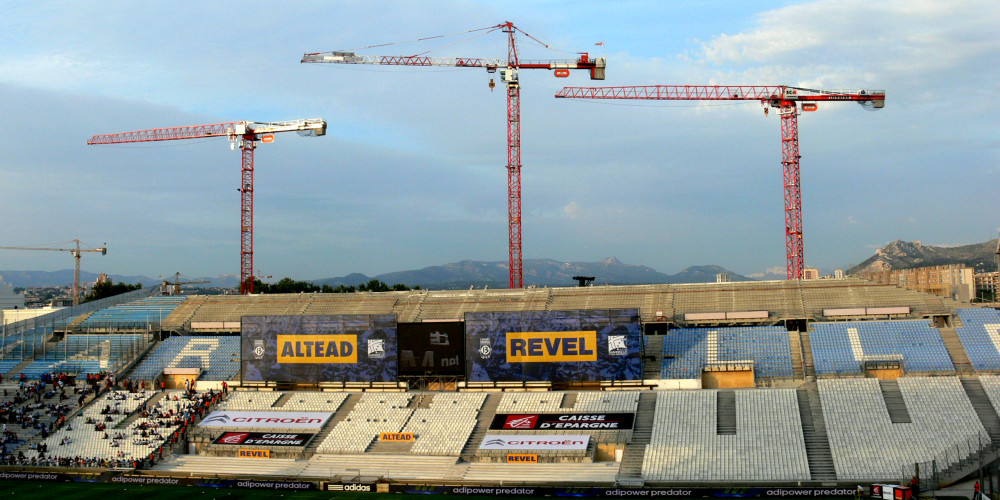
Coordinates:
(76, 268)
(176, 283)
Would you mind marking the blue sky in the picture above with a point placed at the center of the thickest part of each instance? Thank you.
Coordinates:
(412, 171)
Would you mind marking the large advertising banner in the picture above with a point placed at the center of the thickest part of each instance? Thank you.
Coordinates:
(271, 419)
(310, 349)
(562, 442)
(433, 348)
(562, 421)
(555, 346)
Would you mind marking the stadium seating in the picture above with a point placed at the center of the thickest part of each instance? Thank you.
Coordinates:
(867, 445)
(87, 442)
(313, 401)
(843, 347)
(685, 444)
(610, 402)
(686, 352)
(145, 312)
(86, 353)
(531, 402)
(217, 356)
(444, 427)
(250, 401)
(980, 336)
(373, 414)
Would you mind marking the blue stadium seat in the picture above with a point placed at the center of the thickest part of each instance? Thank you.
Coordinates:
(686, 352)
(843, 347)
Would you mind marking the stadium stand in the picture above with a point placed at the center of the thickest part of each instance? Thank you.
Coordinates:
(867, 445)
(611, 402)
(531, 402)
(687, 351)
(82, 354)
(142, 313)
(980, 336)
(217, 356)
(444, 427)
(250, 401)
(686, 444)
(373, 414)
(313, 401)
(843, 347)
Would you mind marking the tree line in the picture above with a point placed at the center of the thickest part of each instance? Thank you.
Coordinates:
(288, 285)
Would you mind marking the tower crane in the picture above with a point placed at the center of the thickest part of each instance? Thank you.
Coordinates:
(509, 69)
(176, 283)
(75, 252)
(244, 134)
(786, 100)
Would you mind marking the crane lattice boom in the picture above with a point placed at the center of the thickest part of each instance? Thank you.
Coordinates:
(786, 99)
(509, 75)
(75, 252)
(246, 134)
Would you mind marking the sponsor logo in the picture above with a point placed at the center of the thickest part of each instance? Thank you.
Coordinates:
(318, 349)
(546, 347)
(484, 348)
(363, 488)
(254, 453)
(376, 349)
(522, 458)
(275, 419)
(258, 349)
(263, 439)
(520, 422)
(535, 442)
(563, 421)
(617, 345)
(233, 437)
(438, 338)
(396, 436)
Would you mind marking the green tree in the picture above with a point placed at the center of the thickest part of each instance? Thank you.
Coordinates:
(107, 289)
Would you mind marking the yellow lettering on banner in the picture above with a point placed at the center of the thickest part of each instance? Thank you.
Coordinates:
(396, 436)
(522, 458)
(318, 349)
(255, 454)
(547, 347)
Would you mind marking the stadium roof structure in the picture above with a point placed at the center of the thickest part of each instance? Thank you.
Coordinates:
(782, 300)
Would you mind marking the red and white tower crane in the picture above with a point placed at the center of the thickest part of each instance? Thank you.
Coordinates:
(245, 135)
(509, 69)
(786, 99)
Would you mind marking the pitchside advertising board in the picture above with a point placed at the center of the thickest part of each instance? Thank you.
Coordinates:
(556, 346)
(432, 348)
(310, 349)
(562, 421)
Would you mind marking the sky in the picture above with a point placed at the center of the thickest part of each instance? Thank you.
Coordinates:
(412, 172)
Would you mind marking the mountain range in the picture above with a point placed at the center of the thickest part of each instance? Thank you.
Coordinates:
(549, 272)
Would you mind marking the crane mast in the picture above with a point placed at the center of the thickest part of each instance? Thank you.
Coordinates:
(786, 100)
(245, 135)
(509, 69)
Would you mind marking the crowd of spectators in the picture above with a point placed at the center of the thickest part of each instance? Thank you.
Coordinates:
(157, 426)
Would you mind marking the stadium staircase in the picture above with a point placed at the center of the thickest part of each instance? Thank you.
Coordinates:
(808, 365)
(652, 357)
(482, 426)
(818, 452)
(14, 372)
(630, 472)
(795, 343)
(725, 413)
(282, 400)
(894, 404)
(569, 401)
(127, 422)
(959, 358)
(341, 414)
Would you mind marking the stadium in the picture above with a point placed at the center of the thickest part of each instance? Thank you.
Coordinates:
(777, 388)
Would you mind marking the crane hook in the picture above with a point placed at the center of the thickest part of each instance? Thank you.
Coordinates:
(492, 85)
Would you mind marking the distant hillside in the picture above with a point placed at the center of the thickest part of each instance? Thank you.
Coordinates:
(910, 254)
(540, 272)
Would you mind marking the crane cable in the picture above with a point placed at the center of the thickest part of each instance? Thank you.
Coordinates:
(490, 28)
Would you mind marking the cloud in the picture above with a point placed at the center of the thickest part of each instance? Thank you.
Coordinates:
(572, 210)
